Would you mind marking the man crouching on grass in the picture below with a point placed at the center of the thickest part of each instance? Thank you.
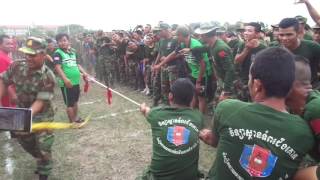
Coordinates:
(175, 131)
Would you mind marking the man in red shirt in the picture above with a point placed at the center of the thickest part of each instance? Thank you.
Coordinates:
(6, 46)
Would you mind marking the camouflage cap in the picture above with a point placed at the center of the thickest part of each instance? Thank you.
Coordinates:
(206, 28)
(156, 29)
(301, 19)
(240, 26)
(164, 26)
(34, 46)
(221, 30)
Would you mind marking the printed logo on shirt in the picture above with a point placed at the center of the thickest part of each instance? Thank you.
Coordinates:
(257, 161)
(178, 135)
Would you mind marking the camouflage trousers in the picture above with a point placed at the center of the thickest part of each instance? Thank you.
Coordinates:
(218, 92)
(39, 146)
(109, 70)
(168, 76)
(123, 73)
(156, 86)
(99, 67)
(135, 75)
(242, 91)
(148, 78)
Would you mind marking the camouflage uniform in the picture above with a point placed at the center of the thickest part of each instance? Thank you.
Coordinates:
(120, 66)
(135, 76)
(150, 54)
(241, 84)
(107, 61)
(31, 86)
(98, 65)
(156, 81)
(170, 72)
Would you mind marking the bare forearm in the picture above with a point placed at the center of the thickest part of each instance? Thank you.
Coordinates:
(208, 137)
(313, 12)
(2, 89)
(241, 57)
(37, 107)
(202, 70)
(172, 56)
(157, 59)
(48, 57)
(60, 72)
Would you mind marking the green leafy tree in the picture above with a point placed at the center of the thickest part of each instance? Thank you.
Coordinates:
(71, 28)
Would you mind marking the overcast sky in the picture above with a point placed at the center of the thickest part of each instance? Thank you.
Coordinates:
(123, 14)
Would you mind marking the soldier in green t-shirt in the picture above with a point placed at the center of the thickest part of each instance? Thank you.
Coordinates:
(175, 136)
(245, 56)
(149, 58)
(289, 38)
(316, 33)
(305, 102)
(199, 66)
(260, 139)
(222, 58)
(304, 33)
(169, 72)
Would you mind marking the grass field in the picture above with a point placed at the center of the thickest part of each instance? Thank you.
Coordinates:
(115, 144)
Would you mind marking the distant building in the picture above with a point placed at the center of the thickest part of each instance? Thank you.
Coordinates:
(18, 30)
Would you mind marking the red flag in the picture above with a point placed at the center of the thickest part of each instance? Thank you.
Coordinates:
(86, 85)
(109, 96)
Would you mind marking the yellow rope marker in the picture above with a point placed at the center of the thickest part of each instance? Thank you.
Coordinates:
(58, 125)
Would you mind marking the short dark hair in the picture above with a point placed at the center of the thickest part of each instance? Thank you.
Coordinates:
(289, 22)
(303, 70)
(211, 33)
(61, 35)
(183, 30)
(257, 26)
(2, 37)
(275, 68)
(49, 40)
(183, 91)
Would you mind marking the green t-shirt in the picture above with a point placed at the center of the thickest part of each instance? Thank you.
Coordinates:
(175, 142)
(245, 65)
(150, 54)
(221, 56)
(222, 59)
(311, 51)
(308, 36)
(193, 59)
(257, 141)
(274, 44)
(167, 46)
(312, 112)
(69, 65)
(234, 45)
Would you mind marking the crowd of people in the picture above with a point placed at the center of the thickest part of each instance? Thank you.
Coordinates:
(262, 88)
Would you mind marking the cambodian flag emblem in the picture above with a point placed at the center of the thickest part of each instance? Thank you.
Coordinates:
(257, 161)
(178, 135)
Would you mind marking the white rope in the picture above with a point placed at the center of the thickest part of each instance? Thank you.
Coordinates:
(119, 94)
